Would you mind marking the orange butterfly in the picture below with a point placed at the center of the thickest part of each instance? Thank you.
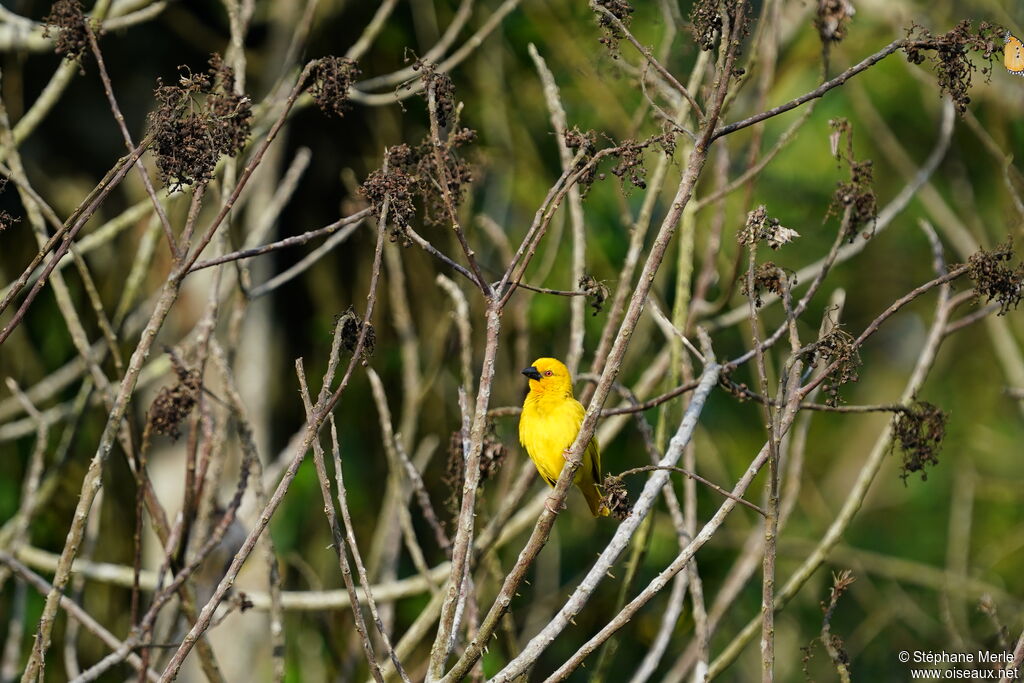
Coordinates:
(1013, 54)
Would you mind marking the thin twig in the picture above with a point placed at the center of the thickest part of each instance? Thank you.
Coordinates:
(863, 65)
(72, 608)
(649, 56)
(339, 544)
(695, 477)
(295, 240)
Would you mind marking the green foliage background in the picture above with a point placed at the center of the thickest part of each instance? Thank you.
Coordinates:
(907, 594)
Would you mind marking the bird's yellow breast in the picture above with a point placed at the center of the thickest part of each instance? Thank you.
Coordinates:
(546, 429)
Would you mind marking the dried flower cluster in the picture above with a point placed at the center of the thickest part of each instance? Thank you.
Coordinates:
(414, 171)
(768, 277)
(7, 220)
(834, 645)
(630, 166)
(396, 186)
(173, 404)
(857, 194)
(994, 279)
(832, 19)
(611, 34)
(709, 17)
(68, 20)
(332, 79)
(454, 473)
(596, 291)
(705, 22)
(351, 327)
(953, 65)
(576, 140)
(586, 142)
(492, 457)
(669, 135)
(196, 122)
(615, 497)
(919, 430)
(438, 84)
(762, 228)
(836, 347)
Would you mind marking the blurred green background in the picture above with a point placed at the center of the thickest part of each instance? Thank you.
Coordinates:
(904, 536)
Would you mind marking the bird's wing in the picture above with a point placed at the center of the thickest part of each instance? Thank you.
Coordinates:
(593, 448)
(595, 460)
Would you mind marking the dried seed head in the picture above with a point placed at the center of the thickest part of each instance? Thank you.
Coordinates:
(414, 170)
(995, 281)
(762, 228)
(835, 347)
(857, 195)
(615, 497)
(575, 139)
(398, 188)
(197, 121)
(586, 142)
(668, 139)
(631, 165)
(231, 112)
(454, 473)
(351, 327)
(832, 19)
(611, 33)
(7, 220)
(596, 291)
(919, 430)
(440, 84)
(68, 20)
(173, 404)
(706, 22)
(332, 78)
(492, 457)
(953, 66)
(768, 277)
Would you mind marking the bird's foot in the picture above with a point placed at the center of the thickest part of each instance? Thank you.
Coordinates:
(565, 455)
(552, 510)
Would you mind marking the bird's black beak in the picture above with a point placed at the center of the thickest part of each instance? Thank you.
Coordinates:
(531, 372)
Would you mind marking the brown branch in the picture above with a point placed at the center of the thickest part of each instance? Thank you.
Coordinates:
(294, 240)
(651, 402)
(449, 201)
(332, 520)
(882, 317)
(76, 222)
(649, 56)
(323, 407)
(865, 64)
(71, 607)
(108, 89)
(695, 477)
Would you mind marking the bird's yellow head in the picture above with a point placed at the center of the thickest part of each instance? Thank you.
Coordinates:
(549, 376)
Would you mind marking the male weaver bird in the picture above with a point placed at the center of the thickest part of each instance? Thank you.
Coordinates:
(549, 424)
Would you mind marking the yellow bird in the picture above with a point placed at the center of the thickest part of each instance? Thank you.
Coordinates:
(549, 424)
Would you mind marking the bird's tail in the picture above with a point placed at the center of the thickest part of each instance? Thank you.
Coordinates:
(594, 498)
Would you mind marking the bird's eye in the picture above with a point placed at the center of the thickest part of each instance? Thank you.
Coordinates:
(548, 373)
